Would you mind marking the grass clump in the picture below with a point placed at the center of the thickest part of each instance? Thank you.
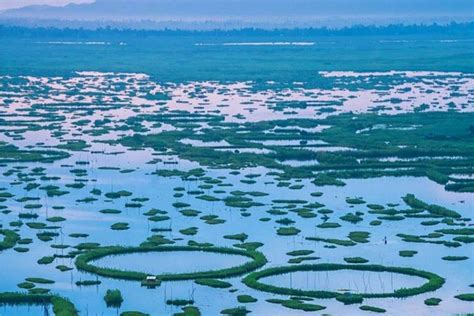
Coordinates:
(297, 305)
(113, 298)
(350, 298)
(246, 299)
(240, 237)
(10, 239)
(468, 297)
(296, 253)
(415, 203)
(432, 301)
(88, 282)
(133, 313)
(214, 283)
(61, 306)
(455, 258)
(359, 236)
(355, 260)
(46, 260)
(351, 218)
(334, 241)
(190, 231)
(39, 280)
(110, 211)
(236, 311)
(189, 311)
(298, 260)
(407, 253)
(328, 225)
(374, 309)
(288, 231)
(180, 302)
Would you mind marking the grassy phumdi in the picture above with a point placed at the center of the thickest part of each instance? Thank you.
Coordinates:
(10, 238)
(83, 262)
(423, 151)
(252, 280)
(10, 153)
(61, 306)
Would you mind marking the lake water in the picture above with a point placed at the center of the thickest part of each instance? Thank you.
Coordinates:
(143, 132)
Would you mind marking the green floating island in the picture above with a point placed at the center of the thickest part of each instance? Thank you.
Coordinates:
(433, 301)
(113, 298)
(61, 306)
(84, 262)
(253, 281)
(297, 305)
(213, 283)
(468, 297)
(407, 253)
(374, 309)
(244, 299)
(10, 239)
(355, 260)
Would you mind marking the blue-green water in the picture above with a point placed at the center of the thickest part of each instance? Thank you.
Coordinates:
(53, 90)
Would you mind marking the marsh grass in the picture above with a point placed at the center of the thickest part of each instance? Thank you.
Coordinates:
(61, 306)
(83, 262)
(433, 283)
(113, 298)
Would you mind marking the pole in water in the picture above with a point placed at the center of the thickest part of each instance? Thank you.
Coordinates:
(46, 311)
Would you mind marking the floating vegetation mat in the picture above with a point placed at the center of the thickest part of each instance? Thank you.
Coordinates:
(122, 194)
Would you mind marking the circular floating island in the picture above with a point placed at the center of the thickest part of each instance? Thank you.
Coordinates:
(253, 280)
(85, 261)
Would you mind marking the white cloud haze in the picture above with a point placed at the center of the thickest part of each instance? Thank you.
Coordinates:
(12, 4)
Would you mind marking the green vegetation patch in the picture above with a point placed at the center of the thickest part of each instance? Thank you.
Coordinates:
(433, 209)
(355, 260)
(374, 309)
(407, 253)
(213, 283)
(84, 262)
(113, 298)
(288, 231)
(468, 297)
(252, 280)
(432, 301)
(245, 299)
(61, 306)
(10, 239)
(297, 305)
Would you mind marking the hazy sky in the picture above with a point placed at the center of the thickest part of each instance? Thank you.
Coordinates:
(10, 4)
(288, 12)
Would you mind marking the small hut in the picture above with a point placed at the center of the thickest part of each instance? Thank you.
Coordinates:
(151, 281)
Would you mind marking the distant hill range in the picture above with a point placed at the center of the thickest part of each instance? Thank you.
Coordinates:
(241, 13)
